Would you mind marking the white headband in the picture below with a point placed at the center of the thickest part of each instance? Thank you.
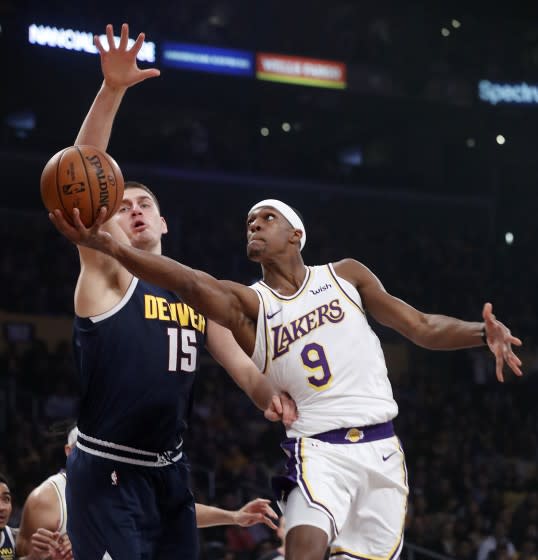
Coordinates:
(72, 437)
(287, 211)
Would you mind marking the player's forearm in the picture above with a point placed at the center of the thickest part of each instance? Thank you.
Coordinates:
(257, 388)
(197, 289)
(155, 269)
(208, 516)
(261, 392)
(439, 332)
(97, 126)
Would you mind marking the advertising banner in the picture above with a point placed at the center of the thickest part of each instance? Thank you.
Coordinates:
(301, 70)
(203, 58)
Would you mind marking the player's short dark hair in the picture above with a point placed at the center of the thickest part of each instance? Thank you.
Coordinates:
(4, 479)
(137, 185)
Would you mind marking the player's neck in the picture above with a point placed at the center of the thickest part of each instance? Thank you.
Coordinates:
(155, 249)
(285, 279)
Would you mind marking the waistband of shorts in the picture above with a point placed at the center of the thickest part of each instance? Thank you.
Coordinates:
(125, 454)
(357, 435)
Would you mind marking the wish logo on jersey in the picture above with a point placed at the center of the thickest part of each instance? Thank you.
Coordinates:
(159, 308)
(286, 334)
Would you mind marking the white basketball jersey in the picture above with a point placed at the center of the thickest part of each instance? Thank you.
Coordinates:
(318, 346)
(58, 482)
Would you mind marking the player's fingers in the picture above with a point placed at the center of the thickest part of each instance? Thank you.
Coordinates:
(98, 44)
(110, 37)
(100, 219)
(486, 310)
(277, 404)
(269, 523)
(149, 73)
(514, 362)
(499, 363)
(137, 45)
(271, 415)
(515, 340)
(255, 506)
(77, 221)
(261, 501)
(124, 37)
(270, 511)
(511, 356)
(289, 415)
(41, 543)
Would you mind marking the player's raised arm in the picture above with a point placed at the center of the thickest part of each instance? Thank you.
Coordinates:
(230, 304)
(120, 71)
(432, 331)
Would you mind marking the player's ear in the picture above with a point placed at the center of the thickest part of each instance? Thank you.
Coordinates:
(296, 237)
(164, 226)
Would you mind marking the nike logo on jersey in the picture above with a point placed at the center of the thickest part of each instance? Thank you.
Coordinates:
(387, 457)
(320, 289)
(271, 315)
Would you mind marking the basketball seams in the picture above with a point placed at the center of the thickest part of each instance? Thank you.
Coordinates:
(113, 170)
(90, 189)
(57, 179)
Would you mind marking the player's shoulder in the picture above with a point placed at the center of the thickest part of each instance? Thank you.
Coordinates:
(347, 264)
(43, 495)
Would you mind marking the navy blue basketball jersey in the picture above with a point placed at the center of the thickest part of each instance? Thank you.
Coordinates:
(7, 544)
(137, 364)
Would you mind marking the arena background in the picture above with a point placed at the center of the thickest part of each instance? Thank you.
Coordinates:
(420, 161)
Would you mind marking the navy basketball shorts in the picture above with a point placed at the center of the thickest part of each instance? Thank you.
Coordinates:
(119, 511)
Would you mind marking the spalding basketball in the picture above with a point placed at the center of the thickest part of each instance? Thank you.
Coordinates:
(82, 177)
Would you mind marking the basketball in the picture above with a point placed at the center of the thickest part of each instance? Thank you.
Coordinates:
(82, 177)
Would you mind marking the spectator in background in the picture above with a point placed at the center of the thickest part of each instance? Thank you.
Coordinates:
(7, 534)
(497, 545)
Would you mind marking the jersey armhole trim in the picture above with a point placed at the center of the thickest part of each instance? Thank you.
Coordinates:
(123, 301)
(61, 503)
(337, 279)
(261, 310)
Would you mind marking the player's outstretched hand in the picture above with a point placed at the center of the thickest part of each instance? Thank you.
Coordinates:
(256, 511)
(282, 409)
(93, 237)
(500, 342)
(118, 63)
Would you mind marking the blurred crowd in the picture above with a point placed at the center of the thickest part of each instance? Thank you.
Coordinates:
(471, 443)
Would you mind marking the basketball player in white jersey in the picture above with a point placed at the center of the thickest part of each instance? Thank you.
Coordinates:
(42, 532)
(306, 328)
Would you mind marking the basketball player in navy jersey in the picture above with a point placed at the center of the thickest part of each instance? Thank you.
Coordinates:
(137, 349)
(306, 328)
(42, 533)
(7, 534)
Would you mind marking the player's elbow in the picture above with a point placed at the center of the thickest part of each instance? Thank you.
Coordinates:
(419, 330)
